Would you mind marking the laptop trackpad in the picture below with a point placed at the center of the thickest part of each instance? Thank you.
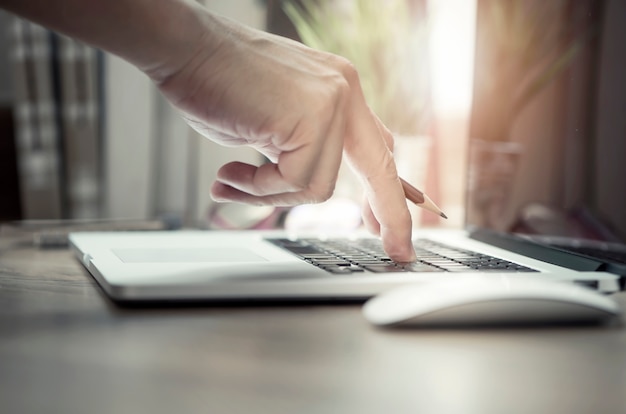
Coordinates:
(188, 255)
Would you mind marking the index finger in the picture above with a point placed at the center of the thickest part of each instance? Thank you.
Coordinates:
(371, 158)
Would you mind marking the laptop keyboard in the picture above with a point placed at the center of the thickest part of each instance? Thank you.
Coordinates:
(343, 256)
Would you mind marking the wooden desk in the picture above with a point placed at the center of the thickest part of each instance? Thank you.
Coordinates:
(64, 348)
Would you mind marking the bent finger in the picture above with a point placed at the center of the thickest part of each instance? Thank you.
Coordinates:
(221, 192)
(257, 181)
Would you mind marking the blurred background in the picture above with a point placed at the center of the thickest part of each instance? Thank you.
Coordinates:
(509, 114)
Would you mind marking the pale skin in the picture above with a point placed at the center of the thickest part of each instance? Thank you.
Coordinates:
(302, 108)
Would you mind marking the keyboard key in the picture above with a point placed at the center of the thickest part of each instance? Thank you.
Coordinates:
(421, 267)
(462, 269)
(384, 268)
(331, 262)
(340, 270)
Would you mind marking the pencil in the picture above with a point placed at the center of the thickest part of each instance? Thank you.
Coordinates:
(420, 199)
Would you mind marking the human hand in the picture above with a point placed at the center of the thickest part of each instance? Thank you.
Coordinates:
(302, 109)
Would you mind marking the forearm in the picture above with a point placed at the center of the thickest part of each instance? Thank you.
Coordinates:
(154, 35)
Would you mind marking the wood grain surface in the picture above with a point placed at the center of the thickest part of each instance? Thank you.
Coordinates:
(65, 348)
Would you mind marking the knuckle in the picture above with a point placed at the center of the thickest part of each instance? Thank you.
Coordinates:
(296, 181)
(346, 68)
(350, 73)
(333, 96)
(321, 193)
(384, 168)
(343, 75)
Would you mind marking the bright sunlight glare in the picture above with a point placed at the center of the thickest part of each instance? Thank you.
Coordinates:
(452, 54)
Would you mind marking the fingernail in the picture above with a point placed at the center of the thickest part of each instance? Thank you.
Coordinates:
(411, 255)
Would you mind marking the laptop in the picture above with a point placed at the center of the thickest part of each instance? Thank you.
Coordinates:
(255, 265)
(216, 266)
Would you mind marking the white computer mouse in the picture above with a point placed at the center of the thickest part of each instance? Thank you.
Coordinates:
(487, 300)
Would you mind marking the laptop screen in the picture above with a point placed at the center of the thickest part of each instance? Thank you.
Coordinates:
(548, 124)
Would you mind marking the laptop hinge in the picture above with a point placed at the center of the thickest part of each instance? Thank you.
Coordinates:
(537, 251)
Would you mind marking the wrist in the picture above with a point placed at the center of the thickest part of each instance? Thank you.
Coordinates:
(181, 31)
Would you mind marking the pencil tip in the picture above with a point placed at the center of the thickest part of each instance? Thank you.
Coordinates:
(444, 216)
